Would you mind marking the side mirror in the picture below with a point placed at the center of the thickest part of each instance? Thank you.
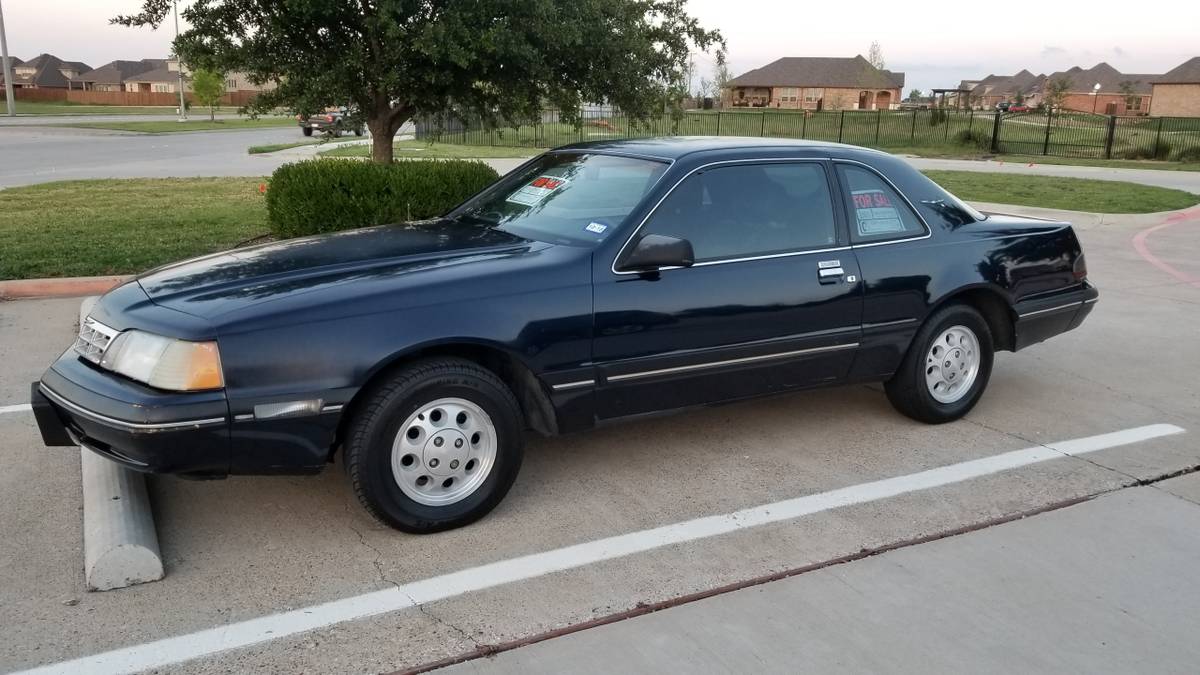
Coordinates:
(655, 251)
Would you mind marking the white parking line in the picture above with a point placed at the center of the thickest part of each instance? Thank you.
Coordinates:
(20, 407)
(181, 648)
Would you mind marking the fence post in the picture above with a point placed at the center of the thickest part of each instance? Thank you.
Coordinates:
(912, 136)
(1046, 144)
(996, 133)
(1157, 137)
(1108, 142)
(762, 129)
(804, 126)
(878, 119)
(718, 122)
(841, 125)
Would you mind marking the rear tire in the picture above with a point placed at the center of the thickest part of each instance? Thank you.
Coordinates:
(946, 369)
(307, 131)
(434, 447)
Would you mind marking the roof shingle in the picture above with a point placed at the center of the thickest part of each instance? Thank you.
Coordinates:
(1187, 72)
(819, 71)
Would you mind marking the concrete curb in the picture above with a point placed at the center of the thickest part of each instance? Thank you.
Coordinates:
(65, 287)
(120, 545)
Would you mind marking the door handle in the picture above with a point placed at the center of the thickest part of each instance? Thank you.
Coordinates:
(829, 275)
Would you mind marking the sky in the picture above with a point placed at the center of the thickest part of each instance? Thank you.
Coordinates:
(934, 44)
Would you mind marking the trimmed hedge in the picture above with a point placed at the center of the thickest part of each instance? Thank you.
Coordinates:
(328, 195)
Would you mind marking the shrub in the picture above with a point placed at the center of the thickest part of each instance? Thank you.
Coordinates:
(1148, 151)
(1191, 154)
(328, 195)
(972, 137)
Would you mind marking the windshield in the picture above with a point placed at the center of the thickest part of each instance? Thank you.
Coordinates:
(574, 198)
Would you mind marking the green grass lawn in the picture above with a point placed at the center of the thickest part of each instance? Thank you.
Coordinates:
(959, 152)
(84, 228)
(1072, 194)
(409, 149)
(92, 227)
(275, 147)
(44, 108)
(194, 123)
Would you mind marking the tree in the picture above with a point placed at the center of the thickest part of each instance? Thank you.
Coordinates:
(721, 77)
(915, 95)
(395, 60)
(1128, 91)
(875, 55)
(208, 86)
(1056, 92)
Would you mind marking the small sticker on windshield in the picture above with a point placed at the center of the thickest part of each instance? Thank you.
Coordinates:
(537, 190)
(598, 228)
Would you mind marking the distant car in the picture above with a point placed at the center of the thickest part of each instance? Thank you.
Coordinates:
(595, 282)
(1018, 108)
(334, 122)
(1002, 106)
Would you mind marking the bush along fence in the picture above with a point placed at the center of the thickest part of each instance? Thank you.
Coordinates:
(1063, 134)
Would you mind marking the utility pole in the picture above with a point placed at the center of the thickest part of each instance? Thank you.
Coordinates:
(8, 85)
(179, 63)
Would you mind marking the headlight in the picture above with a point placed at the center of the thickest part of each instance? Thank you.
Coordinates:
(164, 362)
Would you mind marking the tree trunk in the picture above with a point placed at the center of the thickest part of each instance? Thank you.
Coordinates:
(381, 139)
(212, 113)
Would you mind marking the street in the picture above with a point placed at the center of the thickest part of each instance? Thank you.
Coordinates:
(30, 155)
(288, 574)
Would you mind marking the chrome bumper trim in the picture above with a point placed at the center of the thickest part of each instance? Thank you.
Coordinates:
(125, 424)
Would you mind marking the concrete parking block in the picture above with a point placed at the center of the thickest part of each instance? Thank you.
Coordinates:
(120, 544)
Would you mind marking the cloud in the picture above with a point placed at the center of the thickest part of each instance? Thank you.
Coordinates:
(1119, 52)
(1050, 50)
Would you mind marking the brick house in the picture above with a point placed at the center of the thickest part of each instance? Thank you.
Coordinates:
(815, 83)
(112, 76)
(995, 89)
(46, 71)
(1111, 98)
(162, 79)
(1177, 93)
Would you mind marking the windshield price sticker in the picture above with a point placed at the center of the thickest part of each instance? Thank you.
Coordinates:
(537, 191)
(875, 213)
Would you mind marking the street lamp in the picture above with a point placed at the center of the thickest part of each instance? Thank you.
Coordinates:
(179, 64)
(7, 70)
(1095, 96)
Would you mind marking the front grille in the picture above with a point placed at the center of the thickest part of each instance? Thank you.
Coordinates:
(94, 338)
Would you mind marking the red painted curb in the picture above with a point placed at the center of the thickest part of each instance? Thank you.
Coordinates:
(65, 287)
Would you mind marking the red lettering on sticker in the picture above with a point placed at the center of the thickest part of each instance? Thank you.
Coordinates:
(881, 199)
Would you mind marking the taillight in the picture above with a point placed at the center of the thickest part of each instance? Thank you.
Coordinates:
(1080, 268)
(329, 118)
(299, 118)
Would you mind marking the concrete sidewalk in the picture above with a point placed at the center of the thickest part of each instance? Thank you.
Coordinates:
(1107, 586)
(1188, 181)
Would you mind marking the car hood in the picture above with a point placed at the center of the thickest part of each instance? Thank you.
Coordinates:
(234, 279)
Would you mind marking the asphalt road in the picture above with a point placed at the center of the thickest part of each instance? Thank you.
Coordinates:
(30, 155)
(325, 589)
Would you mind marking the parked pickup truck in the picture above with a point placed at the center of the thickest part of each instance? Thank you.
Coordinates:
(595, 282)
(333, 122)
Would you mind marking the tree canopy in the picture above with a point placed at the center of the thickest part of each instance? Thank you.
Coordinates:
(207, 87)
(398, 59)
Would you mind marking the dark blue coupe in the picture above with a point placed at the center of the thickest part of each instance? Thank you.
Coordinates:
(595, 282)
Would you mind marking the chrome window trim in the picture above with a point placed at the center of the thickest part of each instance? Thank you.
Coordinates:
(612, 153)
(911, 206)
(723, 261)
(884, 324)
(577, 384)
(728, 362)
(1058, 308)
(124, 424)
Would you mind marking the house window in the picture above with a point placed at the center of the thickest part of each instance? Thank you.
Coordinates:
(231, 84)
(1134, 103)
(813, 95)
(162, 88)
(786, 94)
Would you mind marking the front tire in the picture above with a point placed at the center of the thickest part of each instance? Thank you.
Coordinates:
(436, 446)
(946, 369)
(307, 131)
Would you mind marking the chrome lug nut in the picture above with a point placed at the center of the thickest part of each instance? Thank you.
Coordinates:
(433, 463)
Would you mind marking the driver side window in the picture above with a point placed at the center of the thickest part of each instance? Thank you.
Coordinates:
(749, 210)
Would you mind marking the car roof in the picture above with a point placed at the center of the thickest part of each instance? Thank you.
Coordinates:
(675, 147)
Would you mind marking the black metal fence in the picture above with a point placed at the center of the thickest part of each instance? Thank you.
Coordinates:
(1066, 134)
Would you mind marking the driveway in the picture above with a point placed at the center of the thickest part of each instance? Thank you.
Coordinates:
(288, 574)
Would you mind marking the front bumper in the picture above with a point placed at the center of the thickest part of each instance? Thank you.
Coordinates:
(133, 425)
